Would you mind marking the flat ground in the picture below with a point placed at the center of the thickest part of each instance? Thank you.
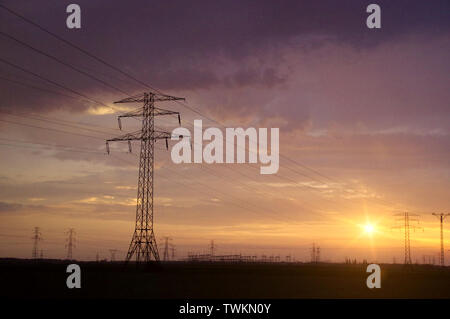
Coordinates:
(47, 279)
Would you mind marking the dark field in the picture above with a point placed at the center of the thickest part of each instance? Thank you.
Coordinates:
(47, 279)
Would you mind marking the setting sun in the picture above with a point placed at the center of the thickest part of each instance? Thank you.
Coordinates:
(369, 229)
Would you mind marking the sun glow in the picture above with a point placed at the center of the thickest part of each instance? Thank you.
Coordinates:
(369, 229)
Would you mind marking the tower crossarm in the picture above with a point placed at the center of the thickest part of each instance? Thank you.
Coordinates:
(413, 227)
(134, 136)
(157, 97)
(439, 215)
(137, 136)
(140, 113)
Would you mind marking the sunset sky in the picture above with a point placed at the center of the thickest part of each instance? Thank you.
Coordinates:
(364, 120)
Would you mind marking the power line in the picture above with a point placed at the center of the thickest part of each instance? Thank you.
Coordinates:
(149, 86)
(36, 87)
(50, 129)
(300, 173)
(96, 58)
(51, 82)
(253, 208)
(66, 150)
(52, 121)
(72, 45)
(86, 150)
(62, 62)
(234, 198)
(193, 109)
(59, 121)
(91, 150)
(202, 167)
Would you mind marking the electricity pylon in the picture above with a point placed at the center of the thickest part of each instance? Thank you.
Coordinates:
(212, 248)
(70, 243)
(143, 243)
(405, 218)
(315, 253)
(441, 217)
(113, 254)
(172, 249)
(166, 248)
(37, 237)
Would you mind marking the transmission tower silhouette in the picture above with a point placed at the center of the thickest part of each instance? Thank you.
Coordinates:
(315, 253)
(70, 243)
(143, 243)
(172, 249)
(441, 217)
(166, 248)
(37, 237)
(212, 248)
(405, 218)
(113, 254)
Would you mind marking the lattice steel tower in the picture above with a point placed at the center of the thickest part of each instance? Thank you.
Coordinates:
(315, 253)
(406, 219)
(70, 243)
(143, 244)
(37, 237)
(172, 249)
(113, 254)
(212, 248)
(441, 255)
(166, 248)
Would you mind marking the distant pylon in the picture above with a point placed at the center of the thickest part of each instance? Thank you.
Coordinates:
(70, 243)
(212, 247)
(113, 254)
(315, 253)
(166, 248)
(143, 243)
(172, 248)
(441, 217)
(37, 237)
(405, 219)
(97, 257)
(41, 256)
